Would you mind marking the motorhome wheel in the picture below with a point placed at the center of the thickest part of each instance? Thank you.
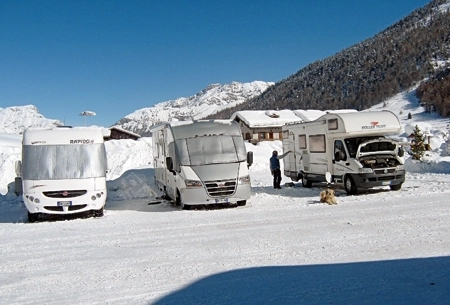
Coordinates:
(306, 182)
(241, 203)
(350, 186)
(33, 217)
(396, 187)
(179, 202)
(98, 213)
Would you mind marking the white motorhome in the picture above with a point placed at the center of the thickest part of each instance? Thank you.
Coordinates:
(351, 146)
(63, 171)
(201, 162)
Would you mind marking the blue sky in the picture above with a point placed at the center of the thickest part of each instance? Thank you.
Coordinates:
(114, 57)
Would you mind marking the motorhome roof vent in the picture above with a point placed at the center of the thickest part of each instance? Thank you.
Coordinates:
(272, 114)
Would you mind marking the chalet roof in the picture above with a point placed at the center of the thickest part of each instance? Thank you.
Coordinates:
(124, 131)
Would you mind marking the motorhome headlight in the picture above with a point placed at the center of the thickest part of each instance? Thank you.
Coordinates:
(93, 198)
(400, 167)
(36, 200)
(365, 170)
(98, 195)
(244, 179)
(193, 183)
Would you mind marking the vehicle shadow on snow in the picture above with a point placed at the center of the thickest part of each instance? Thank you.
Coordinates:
(402, 281)
(296, 190)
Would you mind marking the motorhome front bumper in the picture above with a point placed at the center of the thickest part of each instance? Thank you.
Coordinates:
(40, 203)
(379, 178)
(198, 196)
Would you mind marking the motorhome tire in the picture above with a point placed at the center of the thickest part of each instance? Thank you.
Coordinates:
(33, 217)
(306, 182)
(241, 203)
(98, 213)
(178, 201)
(350, 186)
(396, 187)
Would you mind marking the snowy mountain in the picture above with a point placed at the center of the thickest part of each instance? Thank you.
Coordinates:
(18, 118)
(213, 98)
(373, 70)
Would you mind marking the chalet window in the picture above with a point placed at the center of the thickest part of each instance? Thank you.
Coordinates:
(262, 135)
(317, 143)
(302, 141)
(332, 124)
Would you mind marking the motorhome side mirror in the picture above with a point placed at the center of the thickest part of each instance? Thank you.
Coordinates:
(18, 168)
(401, 152)
(249, 158)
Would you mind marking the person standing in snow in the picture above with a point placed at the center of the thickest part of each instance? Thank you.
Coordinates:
(275, 168)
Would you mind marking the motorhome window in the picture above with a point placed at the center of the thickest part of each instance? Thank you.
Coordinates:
(52, 162)
(211, 150)
(285, 134)
(317, 143)
(339, 151)
(302, 141)
(332, 124)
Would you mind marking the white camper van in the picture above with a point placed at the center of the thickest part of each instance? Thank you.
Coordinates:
(351, 146)
(201, 162)
(63, 171)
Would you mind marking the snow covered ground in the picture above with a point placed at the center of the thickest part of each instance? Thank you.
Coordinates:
(283, 247)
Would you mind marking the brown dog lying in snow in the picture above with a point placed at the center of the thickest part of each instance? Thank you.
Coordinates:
(327, 196)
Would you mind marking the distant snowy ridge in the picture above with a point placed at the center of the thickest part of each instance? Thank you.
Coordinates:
(18, 118)
(213, 98)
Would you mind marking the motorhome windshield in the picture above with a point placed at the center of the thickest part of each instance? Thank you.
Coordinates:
(353, 144)
(51, 162)
(210, 150)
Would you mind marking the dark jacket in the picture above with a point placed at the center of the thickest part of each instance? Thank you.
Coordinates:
(275, 161)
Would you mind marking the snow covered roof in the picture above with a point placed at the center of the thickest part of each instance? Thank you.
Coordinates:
(308, 115)
(266, 118)
(277, 118)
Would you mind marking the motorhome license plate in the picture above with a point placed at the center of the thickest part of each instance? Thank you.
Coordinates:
(64, 203)
(386, 183)
(221, 200)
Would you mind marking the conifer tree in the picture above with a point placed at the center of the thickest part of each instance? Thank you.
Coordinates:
(417, 145)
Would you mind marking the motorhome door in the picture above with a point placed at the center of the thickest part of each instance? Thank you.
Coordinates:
(160, 157)
(340, 160)
(289, 144)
